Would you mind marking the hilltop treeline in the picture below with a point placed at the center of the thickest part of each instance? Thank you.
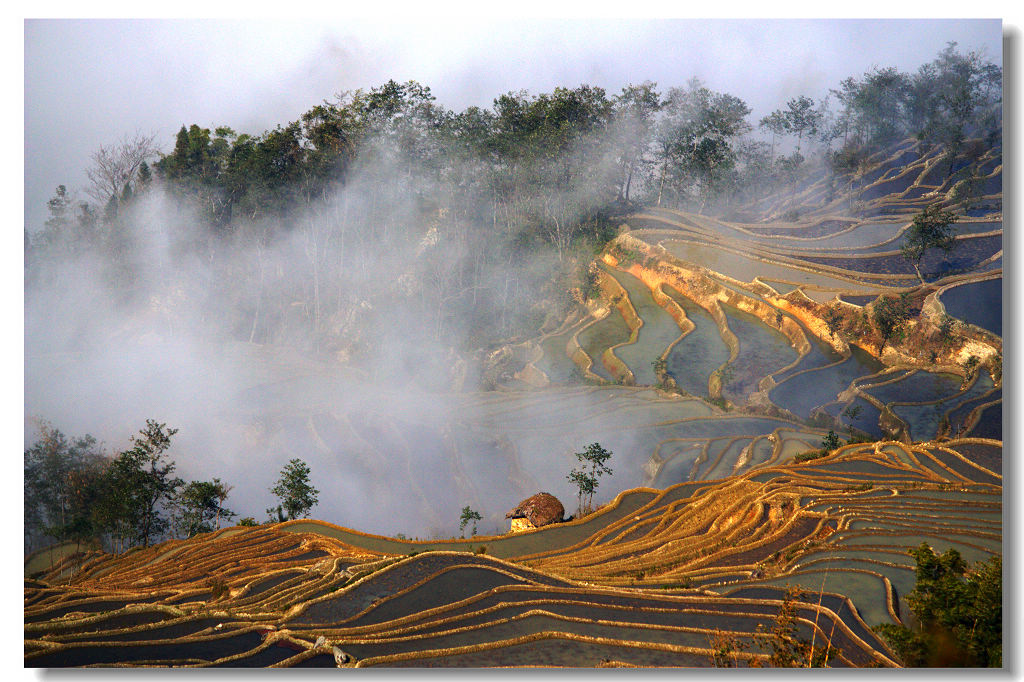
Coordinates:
(76, 492)
(383, 208)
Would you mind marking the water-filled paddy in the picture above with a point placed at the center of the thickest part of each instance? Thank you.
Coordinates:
(900, 558)
(490, 630)
(965, 469)
(442, 588)
(172, 630)
(558, 652)
(979, 303)
(205, 649)
(760, 451)
(863, 466)
(680, 466)
(961, 228)
(658, 331)
(913, 523)
(699, 353)
(898, 454)
(521, 544)
(918, 387)
(968, 546)
(967, 254)
(600, 336)
(858, 300)
(803, 392)
(864, 235)
(978, 393)
(744, 269)
(822, 228)
(974, 496)
(555, 362)
(988, 456)
(866, 419)
(923, 420)
(903, 578)
(763, 351)
(866, 591)
(782, 288)
(726, 460)
(990, 424)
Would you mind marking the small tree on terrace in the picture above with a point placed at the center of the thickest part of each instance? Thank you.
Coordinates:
(199, 507)
(890, 313)
(468, 516)
(296, 495)
(932, 228)
(584, 478)
(138, 483)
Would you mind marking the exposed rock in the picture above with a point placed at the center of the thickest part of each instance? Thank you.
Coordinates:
(340, 657)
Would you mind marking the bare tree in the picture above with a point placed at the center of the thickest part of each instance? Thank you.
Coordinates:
(116, 166)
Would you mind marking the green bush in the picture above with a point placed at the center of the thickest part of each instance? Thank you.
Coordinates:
(958, 613)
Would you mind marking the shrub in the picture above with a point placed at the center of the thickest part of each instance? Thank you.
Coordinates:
(218, 587)
(958, 613)
(809, 455)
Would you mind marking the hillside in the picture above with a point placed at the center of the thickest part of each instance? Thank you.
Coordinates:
(649, 580)
(713, 356)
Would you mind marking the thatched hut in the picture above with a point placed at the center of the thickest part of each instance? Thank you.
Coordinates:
(534, 512)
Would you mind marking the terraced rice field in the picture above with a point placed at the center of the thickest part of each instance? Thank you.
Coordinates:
(699, 353)
(979, 303)
(708, 522)
(658, 333)
(619, 585)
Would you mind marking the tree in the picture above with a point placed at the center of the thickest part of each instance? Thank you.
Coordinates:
(115, 167)
(931, 228)
(199, 506)
(468, 516)
(787, 649)
(58, 484)
(834, 320)
(958, 615)
(777, 125)
(130, 495)
(586, 480)
(890, 314)
(954, 94)
(147, 476)
(801, 117)
(60, 208)
(635, 109)
(831, 441)
(297, 496)
(881, 102)
(851, 413)
(586, 484)
(695, 140)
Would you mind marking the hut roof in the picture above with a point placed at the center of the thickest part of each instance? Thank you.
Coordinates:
(539, 510)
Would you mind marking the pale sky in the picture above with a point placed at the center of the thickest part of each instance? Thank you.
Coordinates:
(90, 82)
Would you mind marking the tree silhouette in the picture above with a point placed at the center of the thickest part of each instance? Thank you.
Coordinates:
(297, 496)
